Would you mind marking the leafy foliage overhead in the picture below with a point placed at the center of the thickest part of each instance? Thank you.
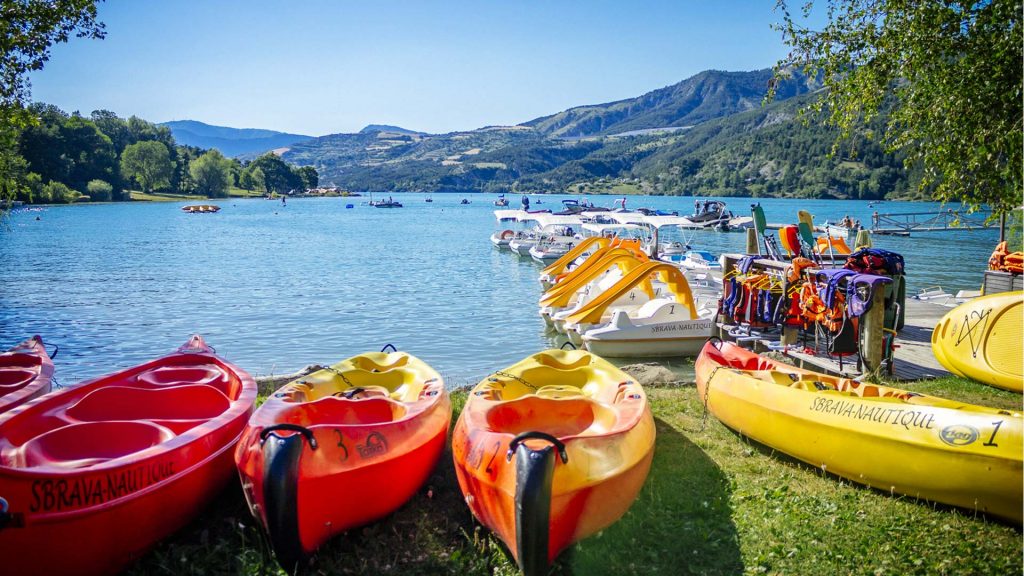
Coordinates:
(953, 70)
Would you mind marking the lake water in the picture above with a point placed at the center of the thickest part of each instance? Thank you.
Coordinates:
(275, 288)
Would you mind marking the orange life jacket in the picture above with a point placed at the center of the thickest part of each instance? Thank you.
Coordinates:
(995, 261)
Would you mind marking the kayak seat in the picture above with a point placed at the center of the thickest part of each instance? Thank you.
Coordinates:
(561, 417)
(550, 360)
(91, 443)
(14, 378)
(167, 376)
(196, 402)
(19, 360)
(335, 411)
(365, 363)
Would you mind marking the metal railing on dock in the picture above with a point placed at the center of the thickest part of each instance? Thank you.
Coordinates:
(905, 223)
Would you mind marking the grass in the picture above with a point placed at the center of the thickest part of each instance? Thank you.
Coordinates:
(233, 192)
(714, 503)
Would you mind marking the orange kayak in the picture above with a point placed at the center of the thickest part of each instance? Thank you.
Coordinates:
(92, 476)
(342, 447)
(26, 371)
(552, 450)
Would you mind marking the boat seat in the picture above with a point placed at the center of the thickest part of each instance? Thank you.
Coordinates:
(190, 402)
(560, 417)
(91, 443)
(167, 376)
(335, 411)
(12, 379)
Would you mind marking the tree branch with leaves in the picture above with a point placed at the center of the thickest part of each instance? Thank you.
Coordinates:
(949, 74)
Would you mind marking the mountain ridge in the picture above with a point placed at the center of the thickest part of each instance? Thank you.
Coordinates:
(230, 141)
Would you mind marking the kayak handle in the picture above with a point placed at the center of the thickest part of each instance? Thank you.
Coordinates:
(389, 345)
(562, 347)
(56, 349)
(713, 339)
(291, 427)
(558, 444)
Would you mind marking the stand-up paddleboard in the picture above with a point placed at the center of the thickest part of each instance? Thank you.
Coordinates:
(982, 339)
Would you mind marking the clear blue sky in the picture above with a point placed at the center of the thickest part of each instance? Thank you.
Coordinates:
(320, 67)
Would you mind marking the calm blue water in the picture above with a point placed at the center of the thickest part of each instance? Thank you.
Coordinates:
(275, 288)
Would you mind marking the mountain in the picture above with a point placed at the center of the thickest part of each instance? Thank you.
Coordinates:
(230, 141)
(387, 128)
(710, 94)
(707, 135)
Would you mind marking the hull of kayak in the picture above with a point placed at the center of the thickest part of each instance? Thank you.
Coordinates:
(26, 372)
(893, 440)
(342, 447)
(94, 475)
(982, 339)
(552, 450)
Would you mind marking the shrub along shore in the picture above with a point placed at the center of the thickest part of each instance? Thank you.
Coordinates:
(714, 503)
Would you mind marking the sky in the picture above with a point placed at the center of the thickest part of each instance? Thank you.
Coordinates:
(320, 67)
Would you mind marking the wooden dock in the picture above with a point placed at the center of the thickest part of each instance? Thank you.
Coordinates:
(913, 357)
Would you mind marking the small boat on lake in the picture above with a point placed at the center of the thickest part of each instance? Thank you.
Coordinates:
(893, 440)
(389, 203)
(26, 371)
(465, 201)
(94, 475)
(342, 447)
(501, 201)
(552, 450)
(201, 208)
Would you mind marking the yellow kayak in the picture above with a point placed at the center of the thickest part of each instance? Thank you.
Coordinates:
(982, 339)
(894, 440)
(552, 450)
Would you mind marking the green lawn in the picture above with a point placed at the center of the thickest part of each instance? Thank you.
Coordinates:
(714, 503)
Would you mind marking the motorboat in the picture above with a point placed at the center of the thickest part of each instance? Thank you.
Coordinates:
(501, 201)
(389, 203)
(709, 213)
(699, 260)
(464, 201)
(547, 252)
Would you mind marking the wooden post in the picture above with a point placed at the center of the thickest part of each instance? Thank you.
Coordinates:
(872, 327)
(863, 240)
(753, 247)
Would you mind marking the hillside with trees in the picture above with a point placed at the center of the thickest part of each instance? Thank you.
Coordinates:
(61, 157)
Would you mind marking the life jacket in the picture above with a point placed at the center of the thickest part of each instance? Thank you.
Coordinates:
(875, 261)
(833, 281)
(797, 267)
(858, 301)
(1014, 263)
(814, 308)
(995, 261)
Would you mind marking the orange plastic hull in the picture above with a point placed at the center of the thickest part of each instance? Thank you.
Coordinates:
(96, 474)
(352, 462)
(26, 372)
(598, 419)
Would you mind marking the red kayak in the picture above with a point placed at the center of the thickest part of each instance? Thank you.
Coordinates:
(342, 447)
(26, 371)
(92, 476)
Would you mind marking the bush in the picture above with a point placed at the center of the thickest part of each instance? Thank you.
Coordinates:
(54, 193)
(99, 191)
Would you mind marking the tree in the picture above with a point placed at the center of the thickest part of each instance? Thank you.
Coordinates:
(257, 179)
(211, 173)
(308, 176)
(277, 175)
(28, 29)
(99, 191)
(951, 73)
(149, 164)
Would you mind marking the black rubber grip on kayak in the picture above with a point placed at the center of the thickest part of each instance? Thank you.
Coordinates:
(280, 494)
(535, 470)
(306, 432)
(386, 346)
(518, 440)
